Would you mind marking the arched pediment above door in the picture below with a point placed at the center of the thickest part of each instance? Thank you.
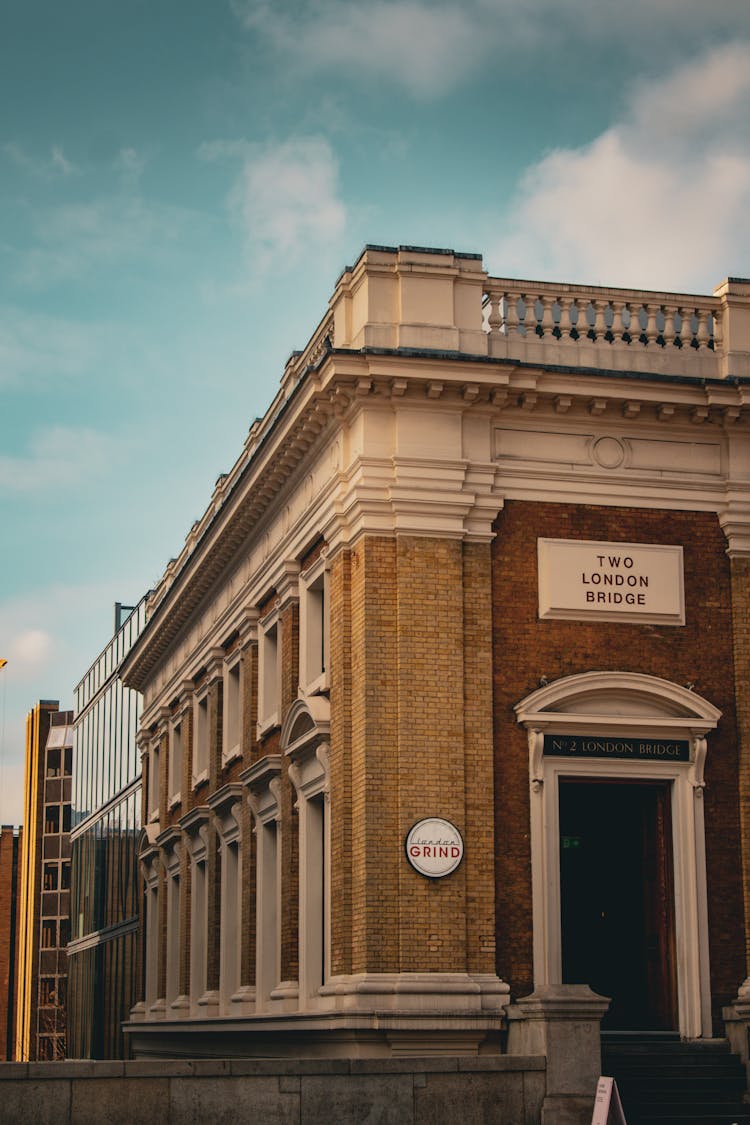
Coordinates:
(618, 701)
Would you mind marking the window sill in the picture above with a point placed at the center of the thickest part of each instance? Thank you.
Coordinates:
(317, 686)
(268, 724)
(231, 755)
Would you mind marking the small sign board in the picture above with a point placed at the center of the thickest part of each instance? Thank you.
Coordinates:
(434, 847)
(607, 1105)
(583, 580)
(631, 749)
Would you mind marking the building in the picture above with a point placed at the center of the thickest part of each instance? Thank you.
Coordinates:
(44, 909)
(445, 710)
(10, 888)
(103, 954)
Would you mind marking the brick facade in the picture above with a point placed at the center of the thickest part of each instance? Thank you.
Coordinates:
(700, 653)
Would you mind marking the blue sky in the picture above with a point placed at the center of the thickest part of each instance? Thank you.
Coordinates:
(182, 182)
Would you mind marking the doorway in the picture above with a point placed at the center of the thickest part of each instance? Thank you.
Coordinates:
(617, 898)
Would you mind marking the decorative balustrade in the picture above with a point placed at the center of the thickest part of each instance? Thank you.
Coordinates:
(578, 315)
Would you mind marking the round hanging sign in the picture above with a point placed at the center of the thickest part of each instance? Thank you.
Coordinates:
(434, 847)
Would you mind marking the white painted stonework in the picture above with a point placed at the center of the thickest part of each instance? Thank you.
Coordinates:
(580, 579)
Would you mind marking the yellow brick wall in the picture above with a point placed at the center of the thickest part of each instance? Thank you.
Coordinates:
(411, 736)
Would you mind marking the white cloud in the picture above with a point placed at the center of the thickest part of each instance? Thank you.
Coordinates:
(285, 199)
(424, 47)
(36, 349)
(49, 638)
(57, 457)
(70, 241)
(30, 649)
(660, 199)
(46, 168)
(428, 47)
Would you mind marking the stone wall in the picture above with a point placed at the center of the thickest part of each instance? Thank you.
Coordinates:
(294, 1092)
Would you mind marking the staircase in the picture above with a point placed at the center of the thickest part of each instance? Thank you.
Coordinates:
(665, 1082)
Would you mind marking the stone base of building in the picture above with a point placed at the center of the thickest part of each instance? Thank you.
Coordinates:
(316, 1091)
(344, 1034)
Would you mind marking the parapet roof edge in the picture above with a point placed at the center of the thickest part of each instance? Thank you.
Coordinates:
(378, 248)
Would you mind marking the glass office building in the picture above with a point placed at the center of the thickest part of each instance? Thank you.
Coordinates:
(104, 954)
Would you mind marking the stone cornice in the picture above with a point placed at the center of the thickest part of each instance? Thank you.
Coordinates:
(346, 382)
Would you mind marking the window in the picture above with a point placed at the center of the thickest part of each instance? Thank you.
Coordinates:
(153, 781)
(50, 877)
(65, 873)
(313, 648)
(200, 741)
(52, 820)
(269, 674)
(47, 991)
(232, 708)
(175, 763)
(49, 934)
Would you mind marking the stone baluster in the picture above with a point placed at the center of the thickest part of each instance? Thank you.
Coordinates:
(686, 327)
(565, 319)
(548, 321)
(495, 320)
(618, 328)
(634, 328)
(600, 323)
(529, 316)
(511, 314)
(669, 329)
(702, 336)
(652, 330)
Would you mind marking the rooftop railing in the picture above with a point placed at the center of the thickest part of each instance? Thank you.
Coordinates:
(679, 332)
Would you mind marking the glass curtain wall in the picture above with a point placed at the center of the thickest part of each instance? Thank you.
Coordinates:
(104, 949)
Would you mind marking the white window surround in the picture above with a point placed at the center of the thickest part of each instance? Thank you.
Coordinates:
(170, 842)
(304, 739)
(195, 826)
(624, 704)
(225, 804)
(232, 708)
(263, 783)
(153, 779)
(150, 870)
(201, 735)
(176, 750)
(269, 672)
(314, 633)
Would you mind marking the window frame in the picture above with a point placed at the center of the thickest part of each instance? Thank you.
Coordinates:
(269, 672)
(314, 628)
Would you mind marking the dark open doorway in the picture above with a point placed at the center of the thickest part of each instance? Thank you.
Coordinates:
(617, 899)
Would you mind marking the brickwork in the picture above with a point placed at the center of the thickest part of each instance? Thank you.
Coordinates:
(478, 752)
(430, 748)
(374, 762)
(9, 856)
(412, 660)
(740, 569)
(249, 673)
(341, 658)
(700, 653)
(289, 839)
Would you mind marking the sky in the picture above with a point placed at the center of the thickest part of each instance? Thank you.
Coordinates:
(182, 181)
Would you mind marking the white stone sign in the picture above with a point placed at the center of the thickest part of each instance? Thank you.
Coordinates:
(580, 580)
(434, 847)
